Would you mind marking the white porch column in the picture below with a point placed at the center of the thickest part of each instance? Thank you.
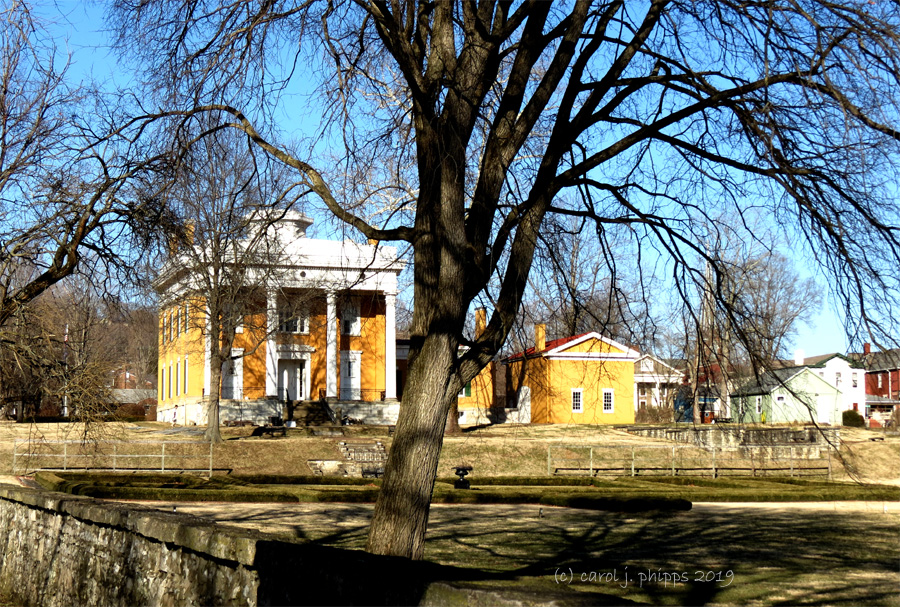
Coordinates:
(207, 353)
(331, 345)
(271, 344)
(390, 346)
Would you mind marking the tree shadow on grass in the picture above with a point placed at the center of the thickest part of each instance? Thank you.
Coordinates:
(778, 556)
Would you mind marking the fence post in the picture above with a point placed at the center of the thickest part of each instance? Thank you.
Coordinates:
(673, 461)
(714, 461)
(828, 454)
(163, 458)
(591, 470)
(792, 462)
(632, 461)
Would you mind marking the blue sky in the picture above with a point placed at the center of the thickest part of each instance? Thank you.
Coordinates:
(80, 25)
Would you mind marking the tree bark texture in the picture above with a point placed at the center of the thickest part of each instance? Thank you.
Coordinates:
(401, 512)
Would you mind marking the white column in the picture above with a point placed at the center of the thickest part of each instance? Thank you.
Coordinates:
(390, 346)
(207, 352)
(271, 344)
(331, 359)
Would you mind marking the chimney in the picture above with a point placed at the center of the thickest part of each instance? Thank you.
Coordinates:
(540, 335)
(480, 321)
(799, 357)
(867, 348)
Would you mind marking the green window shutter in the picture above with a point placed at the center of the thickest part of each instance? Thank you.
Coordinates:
(469, 389)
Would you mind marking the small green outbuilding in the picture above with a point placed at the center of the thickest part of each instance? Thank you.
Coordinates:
(792, 394)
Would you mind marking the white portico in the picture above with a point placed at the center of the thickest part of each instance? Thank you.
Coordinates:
(320, 322)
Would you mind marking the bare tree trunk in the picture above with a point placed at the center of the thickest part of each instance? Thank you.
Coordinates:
(213, 434)
(401, 512)
(452, 426)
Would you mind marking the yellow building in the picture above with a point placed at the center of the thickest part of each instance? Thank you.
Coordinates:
(476, 400)
(319, 324)
(584, 379)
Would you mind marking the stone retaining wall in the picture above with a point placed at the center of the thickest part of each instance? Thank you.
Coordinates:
(722, 435)
(61, 550)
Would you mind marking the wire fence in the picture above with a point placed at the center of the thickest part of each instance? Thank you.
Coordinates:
(117, 456)
(664, 460)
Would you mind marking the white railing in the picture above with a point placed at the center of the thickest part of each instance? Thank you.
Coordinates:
(686, 460)
(31, 455)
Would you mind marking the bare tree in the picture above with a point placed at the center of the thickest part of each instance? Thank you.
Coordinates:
(73, 177)
(575, 288)
(660, 116)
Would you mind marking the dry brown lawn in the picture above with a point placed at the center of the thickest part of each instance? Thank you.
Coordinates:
(508, 449)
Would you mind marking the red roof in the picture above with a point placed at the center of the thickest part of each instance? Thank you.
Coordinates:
(547, 346)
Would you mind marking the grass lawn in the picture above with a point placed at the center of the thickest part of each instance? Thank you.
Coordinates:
(766, 554)
(758, 555)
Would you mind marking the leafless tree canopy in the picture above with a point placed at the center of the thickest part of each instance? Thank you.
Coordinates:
(73, 179)
(658, 117)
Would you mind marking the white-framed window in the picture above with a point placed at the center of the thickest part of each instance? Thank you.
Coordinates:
(577, 404)
(879, 380)
(351, 368)
(642, 389)
(647, 365)
(184, 316)
(780, 398)
(177, 374)
(759, 404)
(854, 380)
(177, 321)
(837, 379)
(350, 319)
(608, 401)
(170, 380)
(293, 322)
(184, 385)
(162, 383)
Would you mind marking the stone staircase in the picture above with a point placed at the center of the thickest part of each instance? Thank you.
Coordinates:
(313, 413)
(364, 459)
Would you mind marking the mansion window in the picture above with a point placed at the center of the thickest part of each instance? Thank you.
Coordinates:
(290, 321)
(854, 381)
(350, 319)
